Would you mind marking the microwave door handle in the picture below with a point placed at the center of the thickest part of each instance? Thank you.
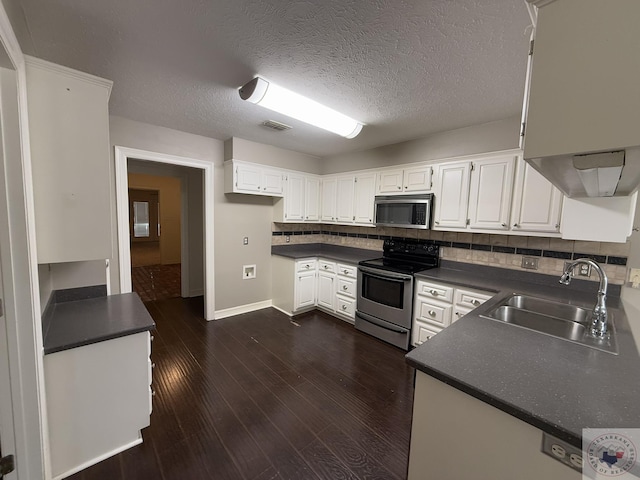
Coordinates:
(392, 277)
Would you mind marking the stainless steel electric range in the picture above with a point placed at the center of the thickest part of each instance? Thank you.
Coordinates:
(385, 289)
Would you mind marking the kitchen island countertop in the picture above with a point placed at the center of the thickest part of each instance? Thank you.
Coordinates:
(555, 385)
(77, 323)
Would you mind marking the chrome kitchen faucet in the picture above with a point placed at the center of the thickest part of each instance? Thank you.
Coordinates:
(599, 320)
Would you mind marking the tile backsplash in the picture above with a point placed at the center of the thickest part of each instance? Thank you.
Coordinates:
(504, 251)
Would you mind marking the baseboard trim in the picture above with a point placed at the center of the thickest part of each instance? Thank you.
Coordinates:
(288, 314)
(251, 307)
(196, 293)
(100, 458)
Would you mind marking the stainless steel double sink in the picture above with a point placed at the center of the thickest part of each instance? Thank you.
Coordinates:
(560, 320)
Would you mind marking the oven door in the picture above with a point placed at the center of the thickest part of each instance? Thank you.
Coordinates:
(385, 295)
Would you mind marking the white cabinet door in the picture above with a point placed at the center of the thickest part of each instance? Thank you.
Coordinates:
(312, 199)
(490, 194)
(344, 206)
(417, 179)
(537, 203)
(452, 196)
(326, 290)
(294, 198)
(390, 181)
(248, 178)
(69, 134)
(329, 192)
(272, 181)
(364, 195)
(305, 290)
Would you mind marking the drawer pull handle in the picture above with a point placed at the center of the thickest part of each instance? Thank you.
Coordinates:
(433, 292)
(432, 313)
(475, 302)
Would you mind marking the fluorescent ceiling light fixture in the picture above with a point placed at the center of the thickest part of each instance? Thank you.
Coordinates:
(279, 99)
(600, 172)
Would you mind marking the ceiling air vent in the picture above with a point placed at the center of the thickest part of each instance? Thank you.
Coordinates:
(277, 126)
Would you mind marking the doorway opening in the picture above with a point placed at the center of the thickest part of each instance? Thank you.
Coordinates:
(155, 236)
(195, 219)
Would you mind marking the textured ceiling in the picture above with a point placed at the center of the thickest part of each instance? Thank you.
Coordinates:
(406, 68)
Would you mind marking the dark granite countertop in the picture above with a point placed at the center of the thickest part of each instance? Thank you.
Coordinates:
(76, 323)
(331, 252)
(552, 384)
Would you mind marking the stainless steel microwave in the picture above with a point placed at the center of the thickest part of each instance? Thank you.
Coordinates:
(405, 211)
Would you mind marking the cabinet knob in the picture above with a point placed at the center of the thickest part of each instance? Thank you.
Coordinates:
(432, 313)
(433, 292)
(345, 271)
(437, 222)
(152, 337)
(458, 314)
(515, 225)
(558, 226)
(153, 365)
(354, 218)
(503, 224)
(153, 393)
(308, 266)
(344, 287)
(399, 187)
(344, 307)
(406, 186)
(475, 302)
(326, 266)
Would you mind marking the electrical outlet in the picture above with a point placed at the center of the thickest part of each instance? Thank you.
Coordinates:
(245, 241)
(581, 270)
(562, 452)
(530, 263)
(287, 238)
(634, 277)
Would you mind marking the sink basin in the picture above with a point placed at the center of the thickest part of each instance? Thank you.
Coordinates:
(560, 320)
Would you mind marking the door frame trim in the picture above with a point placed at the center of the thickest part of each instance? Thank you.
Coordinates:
(122, 154)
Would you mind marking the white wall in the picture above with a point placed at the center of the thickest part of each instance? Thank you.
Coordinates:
(487, 137)
(240, 149)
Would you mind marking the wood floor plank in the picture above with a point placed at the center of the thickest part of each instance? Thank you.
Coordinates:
(259, 397)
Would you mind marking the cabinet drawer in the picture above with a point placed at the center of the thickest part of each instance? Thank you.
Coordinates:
(347, 271)
(346, 306)
(347, 287)
(438, 314)
(325, 266)
(434, 290)
(471, 298)
(308, 265)
(459, 312)
(422, 332)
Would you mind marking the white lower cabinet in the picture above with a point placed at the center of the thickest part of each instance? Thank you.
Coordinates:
(346, 291)
(436, 306)
(326, 285)
(98, 400)
(305, 284)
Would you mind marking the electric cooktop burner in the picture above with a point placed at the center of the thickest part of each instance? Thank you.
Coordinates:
(406, 256)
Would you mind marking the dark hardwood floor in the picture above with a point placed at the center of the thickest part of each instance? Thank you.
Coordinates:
(258, 396)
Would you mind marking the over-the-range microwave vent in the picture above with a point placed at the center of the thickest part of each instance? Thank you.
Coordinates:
(277, 126)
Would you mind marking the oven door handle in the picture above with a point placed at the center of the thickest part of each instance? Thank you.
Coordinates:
(394, 277)
(384, 325)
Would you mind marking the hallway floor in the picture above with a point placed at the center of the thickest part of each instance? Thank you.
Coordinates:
(156, 282)
(258, 396)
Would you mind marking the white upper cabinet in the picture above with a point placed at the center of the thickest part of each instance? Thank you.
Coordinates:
(344, 203)
(417, 179)
(537, 204)
(364, 195)
(407, 180)
(69, 139)
(452, 195)
(329, 190)
(312, 199)
(390, 182)
(251, 178)
(583, 95)
(294, 200)
(491, 193)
